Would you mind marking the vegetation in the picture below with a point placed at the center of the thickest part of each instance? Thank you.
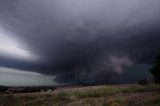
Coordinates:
(143, 82)
(156, 70)
(2, 89)
(109, 95)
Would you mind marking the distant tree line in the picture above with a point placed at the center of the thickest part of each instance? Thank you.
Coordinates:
(30, 89)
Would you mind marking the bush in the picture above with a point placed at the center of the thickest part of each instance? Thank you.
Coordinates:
(143, 82)
(156, 70)
(2, 89)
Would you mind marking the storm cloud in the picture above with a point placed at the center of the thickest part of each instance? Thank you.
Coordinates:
(79, 40)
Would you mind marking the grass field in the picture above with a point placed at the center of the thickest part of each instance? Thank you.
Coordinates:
(107, 95)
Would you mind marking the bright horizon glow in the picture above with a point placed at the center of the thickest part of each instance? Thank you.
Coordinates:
(15, 77)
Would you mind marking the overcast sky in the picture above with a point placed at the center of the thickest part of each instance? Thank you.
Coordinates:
(76, 41)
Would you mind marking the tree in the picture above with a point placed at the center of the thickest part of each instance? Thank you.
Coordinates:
(156, 70)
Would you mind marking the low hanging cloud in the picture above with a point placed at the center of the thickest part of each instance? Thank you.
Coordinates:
(79, 40)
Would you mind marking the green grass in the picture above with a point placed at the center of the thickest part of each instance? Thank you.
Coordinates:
(107, 95)
(110, 90)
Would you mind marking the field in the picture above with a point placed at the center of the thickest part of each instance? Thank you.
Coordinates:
(106, 95)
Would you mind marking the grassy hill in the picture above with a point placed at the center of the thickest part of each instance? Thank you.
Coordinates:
(107, 95)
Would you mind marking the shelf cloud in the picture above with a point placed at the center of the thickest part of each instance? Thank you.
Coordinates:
(78, 41)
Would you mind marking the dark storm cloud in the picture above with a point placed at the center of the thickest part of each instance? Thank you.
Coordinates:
(83, 40)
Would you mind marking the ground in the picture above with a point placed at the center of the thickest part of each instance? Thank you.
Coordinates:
(106, 95)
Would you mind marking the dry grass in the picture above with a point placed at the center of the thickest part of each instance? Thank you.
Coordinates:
(109, 95)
